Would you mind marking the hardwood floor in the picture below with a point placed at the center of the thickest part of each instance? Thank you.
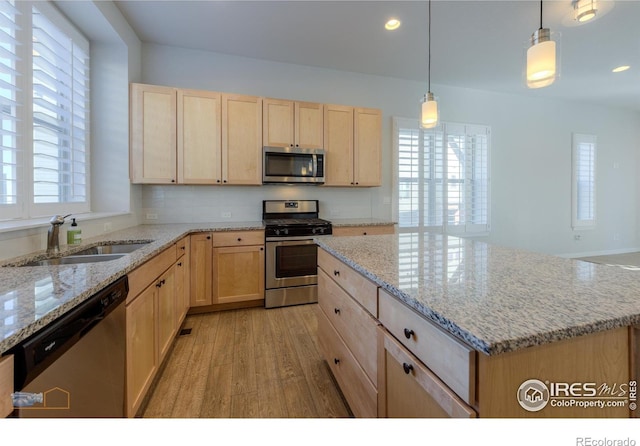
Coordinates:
(249, 363)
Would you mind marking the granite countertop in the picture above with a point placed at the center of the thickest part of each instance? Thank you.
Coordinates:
(342, 222)
(33, 296)
(493, 298)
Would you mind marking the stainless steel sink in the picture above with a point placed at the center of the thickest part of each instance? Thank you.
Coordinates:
(75, 259)
(120, 248)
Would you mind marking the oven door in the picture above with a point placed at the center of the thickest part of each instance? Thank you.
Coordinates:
(291, 263)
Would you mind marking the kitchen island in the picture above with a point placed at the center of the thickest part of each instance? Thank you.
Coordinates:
(509, 315)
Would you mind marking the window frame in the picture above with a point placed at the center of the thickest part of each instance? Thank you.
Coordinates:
(26, 208)
(445, 129)
(577, 140)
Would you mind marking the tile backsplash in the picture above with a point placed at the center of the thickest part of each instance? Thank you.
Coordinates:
(192, 204)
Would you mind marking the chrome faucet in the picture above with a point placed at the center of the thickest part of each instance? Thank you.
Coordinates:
(53, 241)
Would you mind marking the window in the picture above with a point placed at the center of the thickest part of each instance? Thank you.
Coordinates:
(44, 89)
(583, 181)
(443, 177)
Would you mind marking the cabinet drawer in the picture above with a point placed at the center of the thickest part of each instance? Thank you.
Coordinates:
(412, 390)
(141, 277)
(353, 382)
(181, 247)
(448, 358)
(360, 288)
(6, 385)
(351, 321)
(363, 230)
(239, 238)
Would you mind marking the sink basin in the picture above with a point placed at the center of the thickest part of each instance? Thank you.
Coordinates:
(75, 259)
(120, 248)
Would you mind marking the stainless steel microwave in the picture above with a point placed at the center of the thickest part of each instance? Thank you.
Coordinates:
(292, 165)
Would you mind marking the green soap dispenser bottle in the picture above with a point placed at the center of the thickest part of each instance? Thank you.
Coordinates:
(74, 235)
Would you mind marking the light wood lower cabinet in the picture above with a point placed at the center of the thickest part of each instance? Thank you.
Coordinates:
(153, 316)
(142, 358)
(339, 231)
(226, 267)
(183, 280)
(238, 274)
(408, 389)
(6, 385)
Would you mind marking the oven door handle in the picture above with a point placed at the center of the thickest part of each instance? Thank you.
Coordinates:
(284, 241)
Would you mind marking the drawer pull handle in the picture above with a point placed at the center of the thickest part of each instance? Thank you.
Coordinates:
(179, 263)
(336, 272)
(182, 247)
(336, 361)
(336, 310)
(408, 333)
(407, 367)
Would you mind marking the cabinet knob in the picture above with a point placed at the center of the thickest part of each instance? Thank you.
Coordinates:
(208, 237)
(173, 181)
(159, 284)
(261, 249)
(364, 233)
(217, 181)
(239, 239)
(357, 183)
(179, 263)
(183, 248)
(224, 181)
(336, 272)
(407, 367)
(336, 310)
(408, 333)
(336, 360)
(352, 183)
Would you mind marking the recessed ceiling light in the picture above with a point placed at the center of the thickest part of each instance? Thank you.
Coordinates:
(392, 24)
(621, 68)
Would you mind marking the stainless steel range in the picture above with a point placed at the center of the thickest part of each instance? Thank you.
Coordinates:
(291, 274)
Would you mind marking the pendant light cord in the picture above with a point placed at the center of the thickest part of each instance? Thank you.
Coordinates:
(429, 57)
(540, 14)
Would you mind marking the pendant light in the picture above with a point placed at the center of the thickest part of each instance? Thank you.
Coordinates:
(541, 58)
(429, 113)
(585, 10)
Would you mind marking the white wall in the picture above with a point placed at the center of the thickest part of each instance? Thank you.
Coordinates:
(531, 151)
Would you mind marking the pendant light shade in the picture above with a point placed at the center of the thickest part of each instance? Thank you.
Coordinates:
(541, 58)
(585, 10)
(429, 109)
(429, 115)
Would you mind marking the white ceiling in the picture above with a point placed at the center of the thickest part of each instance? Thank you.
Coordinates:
(475, 44)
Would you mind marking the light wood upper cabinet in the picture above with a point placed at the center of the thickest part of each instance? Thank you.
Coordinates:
(153, 134)
(241, 139)
(292, 124)
(338, 138)
(353, 146)
(367, 150)
(199, 137)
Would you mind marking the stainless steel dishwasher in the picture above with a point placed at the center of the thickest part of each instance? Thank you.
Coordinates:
(75, 366)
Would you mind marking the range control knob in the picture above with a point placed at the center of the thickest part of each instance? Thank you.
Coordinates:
(286, 231)
(277, 231)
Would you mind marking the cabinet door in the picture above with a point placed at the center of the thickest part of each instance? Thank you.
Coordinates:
(153, 134)
(308, 125)
(407, 389)
(338, 145)
(277, 123)
(141, 348)
(6, 385)
(166, 292)
(238, 274)
(241, 139)
(200, 269)
(183, 280)
(367, 148)
(199, 137)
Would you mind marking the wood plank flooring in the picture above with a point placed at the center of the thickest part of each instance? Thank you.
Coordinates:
(249, 363)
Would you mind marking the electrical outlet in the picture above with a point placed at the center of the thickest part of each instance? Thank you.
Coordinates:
(226, 214)
(151, 216)
(107, 227)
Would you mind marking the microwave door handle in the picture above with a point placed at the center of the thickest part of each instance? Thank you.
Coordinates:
(314, 157)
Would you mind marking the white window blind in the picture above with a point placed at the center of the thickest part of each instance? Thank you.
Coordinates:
(583, 181)
(443, 176)
(60, 114)
(9, 77)
(44, 108)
